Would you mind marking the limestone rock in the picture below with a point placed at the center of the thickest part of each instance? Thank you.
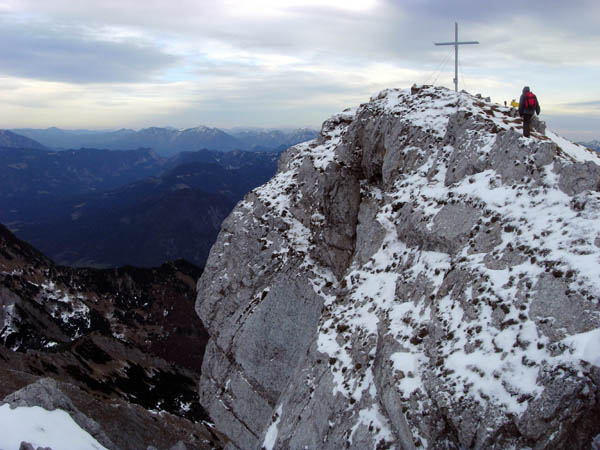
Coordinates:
(418, 276)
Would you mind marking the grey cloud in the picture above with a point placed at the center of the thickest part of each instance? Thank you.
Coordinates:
(544, 32)
(69, 55)
(272, 91)
(289, 97)
(399, 32)
(501, 11)
(403, 35)
(225, 50)
(306, 32)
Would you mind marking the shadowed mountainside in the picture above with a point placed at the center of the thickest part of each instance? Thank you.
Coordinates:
(107, 208)
(121, 343)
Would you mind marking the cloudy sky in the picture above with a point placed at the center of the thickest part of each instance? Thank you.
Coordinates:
(272, 63)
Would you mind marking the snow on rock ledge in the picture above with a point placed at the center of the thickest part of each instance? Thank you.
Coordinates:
(418, 276)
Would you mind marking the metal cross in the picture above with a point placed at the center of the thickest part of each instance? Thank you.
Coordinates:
(456, 44)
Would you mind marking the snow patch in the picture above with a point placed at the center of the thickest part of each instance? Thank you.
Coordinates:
(273, 431)
(377, 424)
(41, 428)
(585, 346)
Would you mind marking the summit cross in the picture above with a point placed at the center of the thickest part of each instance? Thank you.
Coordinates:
(456, 44)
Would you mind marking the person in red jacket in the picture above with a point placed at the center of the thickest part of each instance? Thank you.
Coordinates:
(528, 106)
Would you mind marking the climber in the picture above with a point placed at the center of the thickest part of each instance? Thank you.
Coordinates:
(528, 106)
(514, 103)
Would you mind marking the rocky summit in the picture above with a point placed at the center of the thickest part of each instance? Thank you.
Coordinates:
(418, 276)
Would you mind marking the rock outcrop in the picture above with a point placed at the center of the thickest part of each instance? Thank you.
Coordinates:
(418, 276)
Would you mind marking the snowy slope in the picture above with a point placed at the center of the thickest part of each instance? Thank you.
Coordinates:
(42, 428)
(458, 266)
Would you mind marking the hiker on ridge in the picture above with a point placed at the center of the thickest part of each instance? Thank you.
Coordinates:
(528, 106)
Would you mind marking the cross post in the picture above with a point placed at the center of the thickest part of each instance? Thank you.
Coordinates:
(456, 44)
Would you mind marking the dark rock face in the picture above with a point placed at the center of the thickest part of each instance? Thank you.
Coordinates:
(444, 272)
(123, 345)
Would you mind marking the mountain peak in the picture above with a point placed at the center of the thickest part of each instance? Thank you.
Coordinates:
(8, 139)
(419, 263)
(203, 129)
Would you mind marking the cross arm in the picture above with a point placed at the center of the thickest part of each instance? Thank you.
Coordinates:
(456, 43)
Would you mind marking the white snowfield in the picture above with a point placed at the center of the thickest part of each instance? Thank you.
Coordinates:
(42, 428)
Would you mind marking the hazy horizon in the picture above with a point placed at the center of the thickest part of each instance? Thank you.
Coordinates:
(285, 63)
(234, 128)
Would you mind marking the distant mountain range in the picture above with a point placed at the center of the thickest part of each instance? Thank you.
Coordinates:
(107, 208)
(272, 139)
(168, 140)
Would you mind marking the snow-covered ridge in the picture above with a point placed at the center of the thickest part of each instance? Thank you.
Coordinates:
(432, 108)
(458, 267)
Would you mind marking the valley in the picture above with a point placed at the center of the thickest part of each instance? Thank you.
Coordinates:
(108, 208)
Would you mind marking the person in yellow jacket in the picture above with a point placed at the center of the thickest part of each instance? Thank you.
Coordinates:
(514, 103)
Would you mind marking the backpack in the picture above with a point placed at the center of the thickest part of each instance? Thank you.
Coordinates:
(530, 100)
